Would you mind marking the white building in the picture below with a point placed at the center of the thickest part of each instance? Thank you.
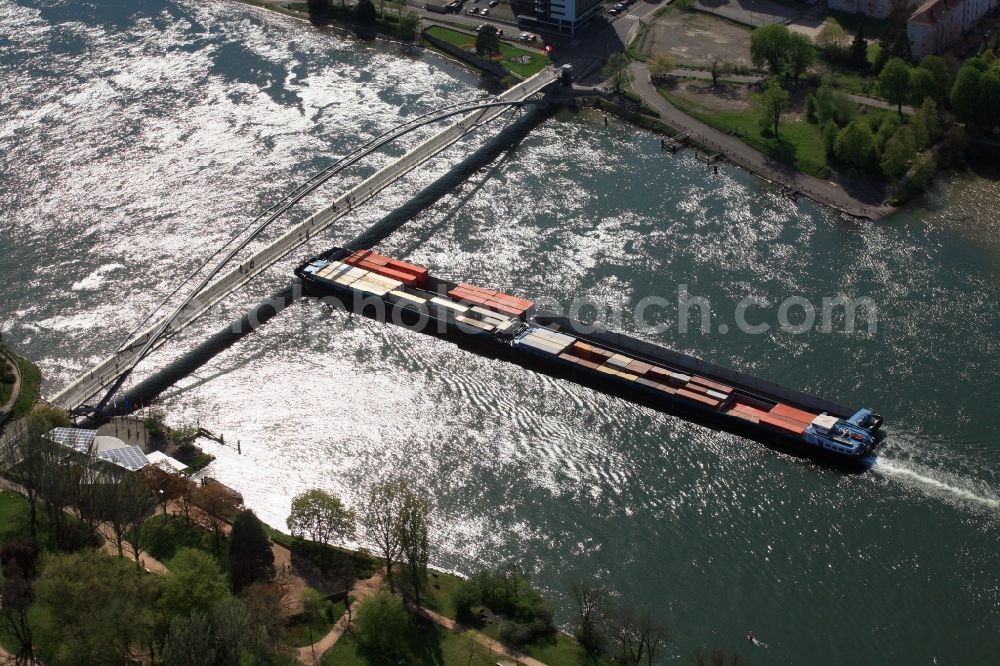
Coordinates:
(936, 24)
(565, 16)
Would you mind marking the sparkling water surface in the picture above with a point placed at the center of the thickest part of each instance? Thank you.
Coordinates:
(138, 136)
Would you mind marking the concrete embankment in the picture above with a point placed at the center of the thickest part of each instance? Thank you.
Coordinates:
(146, 391)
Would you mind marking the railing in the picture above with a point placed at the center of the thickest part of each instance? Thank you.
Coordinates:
(107, 371)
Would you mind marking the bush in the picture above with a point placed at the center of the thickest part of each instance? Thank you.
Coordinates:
(465, 598)
(382, 627)
(519, 634)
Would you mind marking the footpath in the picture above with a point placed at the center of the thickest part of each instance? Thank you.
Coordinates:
(15, 390)
(860, 200)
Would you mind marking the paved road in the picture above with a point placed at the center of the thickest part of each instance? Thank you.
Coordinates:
(857, 198)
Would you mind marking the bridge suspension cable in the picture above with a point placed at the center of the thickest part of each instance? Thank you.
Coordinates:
(159, 332)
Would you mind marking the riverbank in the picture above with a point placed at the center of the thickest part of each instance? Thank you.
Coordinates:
(20, 393)
(851, 198)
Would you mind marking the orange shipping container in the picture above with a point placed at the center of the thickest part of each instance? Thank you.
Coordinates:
(697, 397)
(789, 412)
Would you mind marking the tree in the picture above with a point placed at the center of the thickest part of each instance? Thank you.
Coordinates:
(487, 41)
(164, 486)
(18, 568)
(251, 559)
(380, 519)
(639, 639)
(830, 131)
(660, 65)
(898, 154)
(217, 637)
(590, 600)
(190, 640)
(715, 72)
(854, 144)
(964, 95)
(382, 627)
(365, 13)
(235, 632)
(312, 611)
(833, 105)
(263, 604)
(409, 25)
(617, 70)
(97, 608)
(894, 83)
(769, 46)
(926, 124)
(801, 54)
(321, 517)
(832, 38)
(124, 503)
(195, 583)
(938, 70)
(859, 50)
(770, 103)
(414, 520)
(27, 461)
(217, 506)
(989, 99)
(922, 85)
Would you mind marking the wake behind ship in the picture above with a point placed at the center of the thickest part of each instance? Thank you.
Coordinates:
(507, 326)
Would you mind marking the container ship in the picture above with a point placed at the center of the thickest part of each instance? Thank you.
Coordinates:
(508, 327)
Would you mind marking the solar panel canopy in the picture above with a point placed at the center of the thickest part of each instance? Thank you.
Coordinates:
(130, 457)
(77, 439)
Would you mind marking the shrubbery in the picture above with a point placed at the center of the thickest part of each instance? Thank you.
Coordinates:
(527, 615)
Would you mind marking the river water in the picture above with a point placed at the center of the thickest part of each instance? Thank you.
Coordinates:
(135, 136)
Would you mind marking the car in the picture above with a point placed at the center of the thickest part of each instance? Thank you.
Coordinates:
(471, 12)
(494, 3)
(614, 11)
(499, 32)
(621, 6)
(484, 11)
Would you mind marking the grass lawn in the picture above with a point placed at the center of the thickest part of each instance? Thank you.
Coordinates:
(297, 633)
(14, 511)
(439, 593)
(800, 143)
(31, 379)
(428, 645)
(327, 558)
(851, 22)
(37, 618)
(163, 536)
(536, 63)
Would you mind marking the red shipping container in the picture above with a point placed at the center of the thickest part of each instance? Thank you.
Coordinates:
(784, 424)
(789, 412)
(697, 397)
(721, 388)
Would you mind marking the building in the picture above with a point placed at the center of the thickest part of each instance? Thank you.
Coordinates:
(875, 8)
(102, 447)
(566, 16)
(936, 24)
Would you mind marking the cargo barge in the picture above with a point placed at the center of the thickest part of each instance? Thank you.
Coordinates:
(508, 327)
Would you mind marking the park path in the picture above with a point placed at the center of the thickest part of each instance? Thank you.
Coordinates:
(15, 390)
(861, 201)
(706, 75)
(495, 647)
(313, 654)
